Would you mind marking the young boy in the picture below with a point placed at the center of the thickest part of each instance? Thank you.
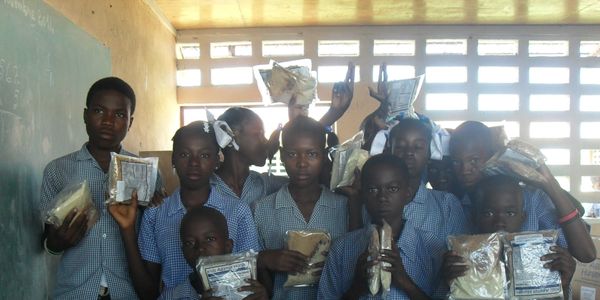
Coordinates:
(204, 232)
(498, 206)
(387, 194)
(94, 262)
(547, 208)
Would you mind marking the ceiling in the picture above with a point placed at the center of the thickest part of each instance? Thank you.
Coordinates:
(200, 14)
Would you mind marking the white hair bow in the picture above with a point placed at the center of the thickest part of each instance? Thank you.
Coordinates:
(224, 135)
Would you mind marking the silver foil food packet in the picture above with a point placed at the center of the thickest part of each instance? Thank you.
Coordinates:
(223, 275)
(129, 173)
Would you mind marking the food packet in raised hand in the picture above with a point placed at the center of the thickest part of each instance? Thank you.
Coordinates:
(385, 237)
(73, 196)
(225, 274)
(485, 277)
(528, 277)
(374, 271)
(504, 164)
(128, 173)
(282, 82)
(401, 97)
(346, 158)
(526, 153)
(313, 244)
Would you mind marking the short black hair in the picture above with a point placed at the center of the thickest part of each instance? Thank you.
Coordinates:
(302, 125)
(384, 160)
(236, 116)
(473, 131)
(409, 123)
(111, 84)
(201, 128)
(205, 213)
(491, 185)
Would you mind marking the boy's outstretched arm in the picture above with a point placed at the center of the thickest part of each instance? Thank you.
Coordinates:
(341, 98)
(145, 275)
(576, 233)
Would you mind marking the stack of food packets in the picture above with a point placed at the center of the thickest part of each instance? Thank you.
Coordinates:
(282, 82)
(519, 160)
(347, 157)
(314, 245)
(128, 173)
(485, 277)
(528, 277)
(379, 279)
(506, 266)
(223, 275)
(73, 196)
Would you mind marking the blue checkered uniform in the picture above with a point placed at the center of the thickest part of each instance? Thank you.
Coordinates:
(159, 239)
(278, 213)
(101, 250)
(256, 186)
(183, 291)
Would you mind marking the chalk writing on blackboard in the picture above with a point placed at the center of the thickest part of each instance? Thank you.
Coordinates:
(43, 20)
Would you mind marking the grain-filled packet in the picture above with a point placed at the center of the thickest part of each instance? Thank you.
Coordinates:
(518, 160)
(129, 173)
(73, 196)
(347, 157)
(485, 277)
(223, 275)
(527, 275)
(379, 279)
(312, 244)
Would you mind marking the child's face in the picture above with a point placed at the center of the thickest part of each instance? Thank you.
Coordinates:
(107, 119)
(440, 174)
(302, 156)
(412, 146)
(502, 211)
(195, 158)
(252, 141)
(467, 160)
(386, 193)
(202, 238)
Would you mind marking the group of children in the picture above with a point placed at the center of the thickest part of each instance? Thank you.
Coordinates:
(223, 207)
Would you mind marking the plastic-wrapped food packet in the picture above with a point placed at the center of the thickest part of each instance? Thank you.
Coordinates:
(346, 158)
(401, 97)
(313, 244)
(75, 195)
(282, 82)
(501, 163)
(225, 274)
(128, 173)
(524, 152)
(379, 279)
(485, 278)
(374, 271)
(528, 277)
(385, 237)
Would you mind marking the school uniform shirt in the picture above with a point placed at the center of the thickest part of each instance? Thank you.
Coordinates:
(101, 252)
(540, 212)
(182, 291)
(278, 213)
(159, 239)
(338, 273)
(256, 186)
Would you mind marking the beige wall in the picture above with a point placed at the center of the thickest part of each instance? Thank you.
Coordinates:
(142, 52)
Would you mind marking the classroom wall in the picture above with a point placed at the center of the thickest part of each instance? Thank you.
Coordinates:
(142, 52)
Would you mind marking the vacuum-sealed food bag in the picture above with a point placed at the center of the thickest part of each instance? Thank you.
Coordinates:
(401, 96)
(380, 279)
(73, 196)
(225, 274)
(129, 173)
(485, 277)
(347, 157)
(374, 272)
(528, 277)
(282, 82)
(313, 244)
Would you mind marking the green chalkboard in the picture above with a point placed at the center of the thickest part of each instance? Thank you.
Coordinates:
(46, 66)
